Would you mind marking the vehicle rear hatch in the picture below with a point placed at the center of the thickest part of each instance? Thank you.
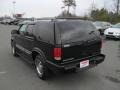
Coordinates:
(78, 39)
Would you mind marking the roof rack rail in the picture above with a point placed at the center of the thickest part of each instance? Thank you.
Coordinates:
(47, 18)
(68, 18)
(56, 18)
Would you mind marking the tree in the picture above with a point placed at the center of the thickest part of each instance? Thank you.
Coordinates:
(117, 7)
(116, 4)
(101, 15)
(65, 14)
(68, 4)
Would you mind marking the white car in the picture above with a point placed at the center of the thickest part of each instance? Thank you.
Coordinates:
(113, 32)
(101, 26)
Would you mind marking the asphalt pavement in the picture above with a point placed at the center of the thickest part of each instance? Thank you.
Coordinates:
(16, 74)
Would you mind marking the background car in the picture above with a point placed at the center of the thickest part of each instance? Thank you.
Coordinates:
(14, 22)
(101, 26)
(6, 21)
(113, 32)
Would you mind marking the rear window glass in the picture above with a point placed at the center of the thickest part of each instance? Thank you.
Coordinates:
(46, 31)
(73, 31)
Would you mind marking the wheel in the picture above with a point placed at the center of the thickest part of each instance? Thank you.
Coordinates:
(41, 68)
(14, 51)
(100, 32)
(106, 37)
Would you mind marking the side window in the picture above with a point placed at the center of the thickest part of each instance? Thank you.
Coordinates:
(46, 31)
(22, 29)
(30, 30)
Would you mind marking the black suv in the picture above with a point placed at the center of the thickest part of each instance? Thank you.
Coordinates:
(58, 45)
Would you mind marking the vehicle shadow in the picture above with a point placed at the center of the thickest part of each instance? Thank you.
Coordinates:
(65, 76)
(69, 79)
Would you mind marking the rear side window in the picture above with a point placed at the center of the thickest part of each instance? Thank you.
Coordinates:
(46, 31)
(30, 30)
(74, 30)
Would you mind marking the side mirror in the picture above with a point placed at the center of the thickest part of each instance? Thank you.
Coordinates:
(14, 32)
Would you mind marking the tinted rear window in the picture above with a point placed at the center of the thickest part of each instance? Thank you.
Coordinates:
(46, 31)
(73, 31)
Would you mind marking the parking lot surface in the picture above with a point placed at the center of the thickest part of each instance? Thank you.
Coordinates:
(16, 74)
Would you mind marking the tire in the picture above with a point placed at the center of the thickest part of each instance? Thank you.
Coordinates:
(14, 51)
(41, 68)
(100, 32)
(106, 37)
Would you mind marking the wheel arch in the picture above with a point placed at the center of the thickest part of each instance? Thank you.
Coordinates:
(37, 51)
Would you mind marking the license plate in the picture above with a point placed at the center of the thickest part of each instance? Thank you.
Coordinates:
(84, 64)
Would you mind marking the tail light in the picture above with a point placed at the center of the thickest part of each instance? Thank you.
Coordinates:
(57, 53)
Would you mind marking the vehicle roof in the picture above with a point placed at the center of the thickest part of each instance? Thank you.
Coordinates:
(51, 20)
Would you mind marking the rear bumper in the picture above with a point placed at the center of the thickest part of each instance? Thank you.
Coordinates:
(93, 61)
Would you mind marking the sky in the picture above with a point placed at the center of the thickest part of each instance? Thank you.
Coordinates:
(47, 8)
